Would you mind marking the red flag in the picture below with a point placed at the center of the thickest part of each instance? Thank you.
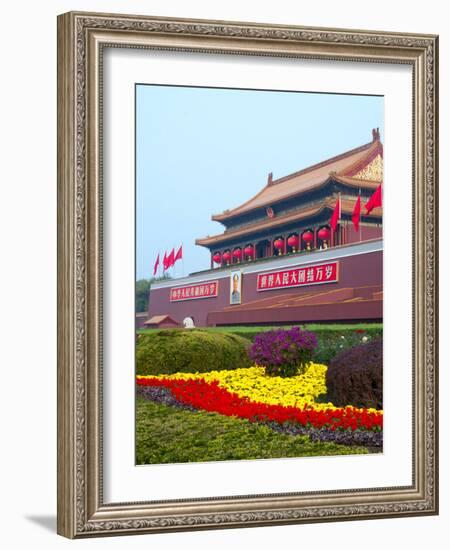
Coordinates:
(336, 216)
(155, 267)
(165, 261)
(374, 201)
(179, 254)
(171, 258)
(356, 215)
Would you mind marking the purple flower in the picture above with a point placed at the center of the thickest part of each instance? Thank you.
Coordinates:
(290, 350)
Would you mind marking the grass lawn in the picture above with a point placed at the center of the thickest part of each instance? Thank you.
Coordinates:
(165, 434)
(313, 327)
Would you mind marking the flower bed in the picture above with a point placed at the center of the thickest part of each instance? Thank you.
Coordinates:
(252, 383)
(287, 403)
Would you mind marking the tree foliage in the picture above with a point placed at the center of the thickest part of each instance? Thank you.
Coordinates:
(143, 289)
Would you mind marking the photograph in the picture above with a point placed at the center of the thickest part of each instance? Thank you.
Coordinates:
(227, 215)
(259, 274)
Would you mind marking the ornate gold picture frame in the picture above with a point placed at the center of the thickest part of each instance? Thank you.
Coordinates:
(83, 39)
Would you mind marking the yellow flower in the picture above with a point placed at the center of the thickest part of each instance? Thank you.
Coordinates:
(253, 383)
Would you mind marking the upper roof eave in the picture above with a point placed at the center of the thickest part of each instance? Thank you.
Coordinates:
(371, 148)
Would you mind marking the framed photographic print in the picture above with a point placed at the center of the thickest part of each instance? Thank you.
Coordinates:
(247, 274)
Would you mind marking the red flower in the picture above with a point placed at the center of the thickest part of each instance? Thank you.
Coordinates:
(209, 396)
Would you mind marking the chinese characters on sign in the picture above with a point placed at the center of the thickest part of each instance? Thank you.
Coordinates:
(209, 289)
(301, 276)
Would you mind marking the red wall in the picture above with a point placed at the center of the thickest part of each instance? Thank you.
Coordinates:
(355, 271)
(140, 320)
(367, 233)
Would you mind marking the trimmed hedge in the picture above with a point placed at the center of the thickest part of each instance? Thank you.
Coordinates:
(355, 377)
(189, 350)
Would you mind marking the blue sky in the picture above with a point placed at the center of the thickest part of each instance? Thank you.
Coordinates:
(200, 151)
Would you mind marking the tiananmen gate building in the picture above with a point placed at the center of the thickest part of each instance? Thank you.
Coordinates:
(281, 259)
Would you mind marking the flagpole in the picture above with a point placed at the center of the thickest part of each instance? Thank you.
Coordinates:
(360, 221)
(173, 265)
(155, 268)
(182, 259)
(339, 218)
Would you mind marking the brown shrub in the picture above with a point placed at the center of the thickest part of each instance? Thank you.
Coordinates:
(355, 377)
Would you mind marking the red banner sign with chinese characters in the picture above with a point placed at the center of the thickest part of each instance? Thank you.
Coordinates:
(193, 292)
(300, 276)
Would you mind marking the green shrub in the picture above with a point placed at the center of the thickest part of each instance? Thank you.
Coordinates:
(355, 377)
(189, 350)
(333, 342)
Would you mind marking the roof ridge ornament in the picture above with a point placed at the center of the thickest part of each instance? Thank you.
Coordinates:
(270, 178)
(375, 134)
